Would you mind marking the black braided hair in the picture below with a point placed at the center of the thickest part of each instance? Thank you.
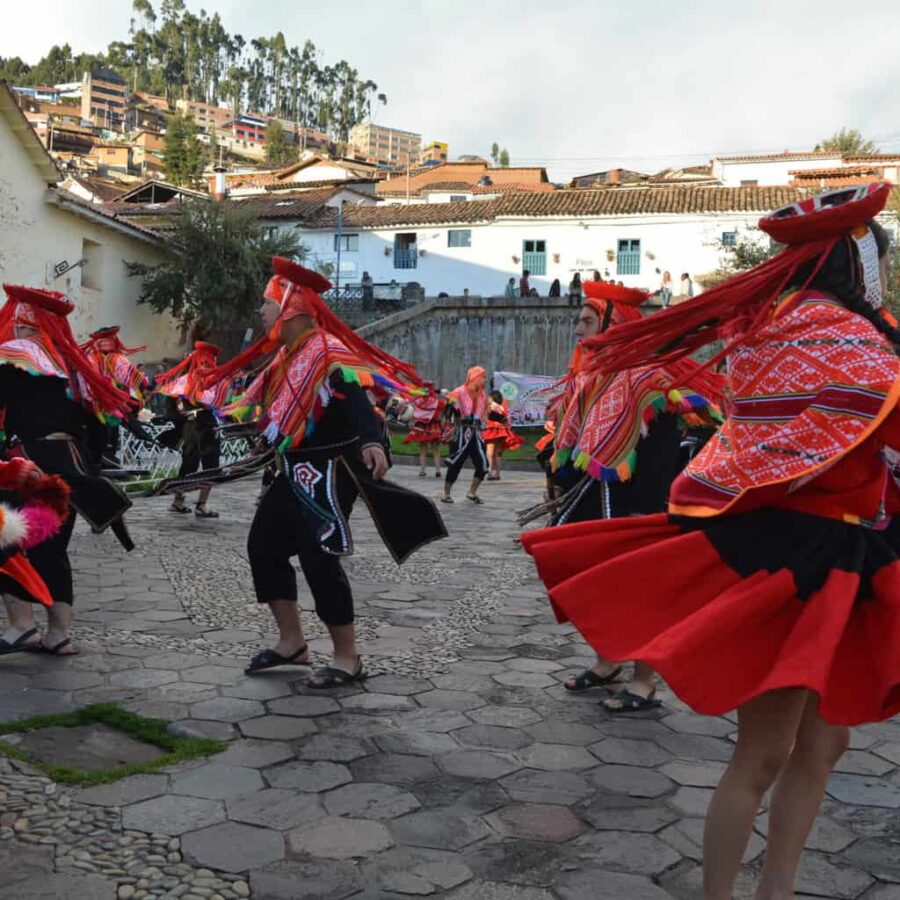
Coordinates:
(841, 277)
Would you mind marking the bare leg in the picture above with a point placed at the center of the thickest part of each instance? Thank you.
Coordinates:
(203, 496)
(21, 619)
(436, 456)
(290, 631)
(59, 623)
(767, 728)
(491, 456)
(346, 654)
(473, 488)
(603, 667)
(797, 798)
(422, 458)
(178, 500)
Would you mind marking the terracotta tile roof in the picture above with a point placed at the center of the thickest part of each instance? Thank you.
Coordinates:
(307, 185)
(461, 173)
(107, 211)
(874, 158)
(102, 190)
(834, 171)
(539, 188)
(778, 157)
(300, 205)
(605, 202)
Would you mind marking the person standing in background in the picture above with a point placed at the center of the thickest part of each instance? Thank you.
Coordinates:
(524, 286)
(510, 291)
(687, 286)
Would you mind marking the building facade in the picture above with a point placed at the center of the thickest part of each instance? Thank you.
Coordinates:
(632, 236)
(435, 152)
(390, 147)
(54, 240)
(207, 116)
(104, 99)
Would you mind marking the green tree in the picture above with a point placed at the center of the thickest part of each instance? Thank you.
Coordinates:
(504, 158)
(214, 266)
(848, 141)
(495, 153)
(185, 155)
(751, 248)
(278, 151)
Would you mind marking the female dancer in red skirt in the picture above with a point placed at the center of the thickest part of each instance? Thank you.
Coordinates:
(428, 430)
(498, 434)
(781, 588)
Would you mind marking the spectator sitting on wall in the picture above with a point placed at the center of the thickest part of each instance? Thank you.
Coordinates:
(524, 286)
(465, 292)
(575, 290)
(687, 286)
(511, 289)
(534, 293)
(555, 289)
(665, 289)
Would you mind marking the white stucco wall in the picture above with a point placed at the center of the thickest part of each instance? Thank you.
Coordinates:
(770, 172)
(678, 243)
(35, 236)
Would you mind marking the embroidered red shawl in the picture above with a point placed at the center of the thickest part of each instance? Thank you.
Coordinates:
(807, 388)
(295, 389)
(607, 415)
(121, 371)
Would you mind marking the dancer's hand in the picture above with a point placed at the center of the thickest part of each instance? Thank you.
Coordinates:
(375, 461)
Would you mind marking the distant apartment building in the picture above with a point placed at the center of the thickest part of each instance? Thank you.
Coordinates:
(154, 100)
(40, 93)
(110, 157)
(71, 90)
(104, 99)
(386, 146)
(207, 116)
(436, 151)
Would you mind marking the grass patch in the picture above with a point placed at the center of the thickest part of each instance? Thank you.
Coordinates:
(526, 451)
(151, 731)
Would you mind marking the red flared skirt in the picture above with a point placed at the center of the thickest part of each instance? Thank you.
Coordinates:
(495, 431)
(728, 609)
(426, 434)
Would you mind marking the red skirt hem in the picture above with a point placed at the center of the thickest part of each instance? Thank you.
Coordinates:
(645, 589)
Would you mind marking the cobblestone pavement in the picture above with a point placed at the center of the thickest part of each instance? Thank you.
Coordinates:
(461, 768)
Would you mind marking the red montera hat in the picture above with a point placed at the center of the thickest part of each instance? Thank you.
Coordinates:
(625, 301)
(46, 312)
(828, 215)
(294, 288)
(740, 306)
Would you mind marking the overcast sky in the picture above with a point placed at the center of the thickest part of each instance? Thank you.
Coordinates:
(576, 86)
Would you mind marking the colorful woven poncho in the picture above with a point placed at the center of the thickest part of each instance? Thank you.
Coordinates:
(600, 428)
(110, 356)
(51, 350)
(294, 390)
(809, 387)
(188, 380)
(470, 399)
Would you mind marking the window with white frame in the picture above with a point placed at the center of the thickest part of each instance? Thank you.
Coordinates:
(459, 237)
(346, 243)
(729, 238)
